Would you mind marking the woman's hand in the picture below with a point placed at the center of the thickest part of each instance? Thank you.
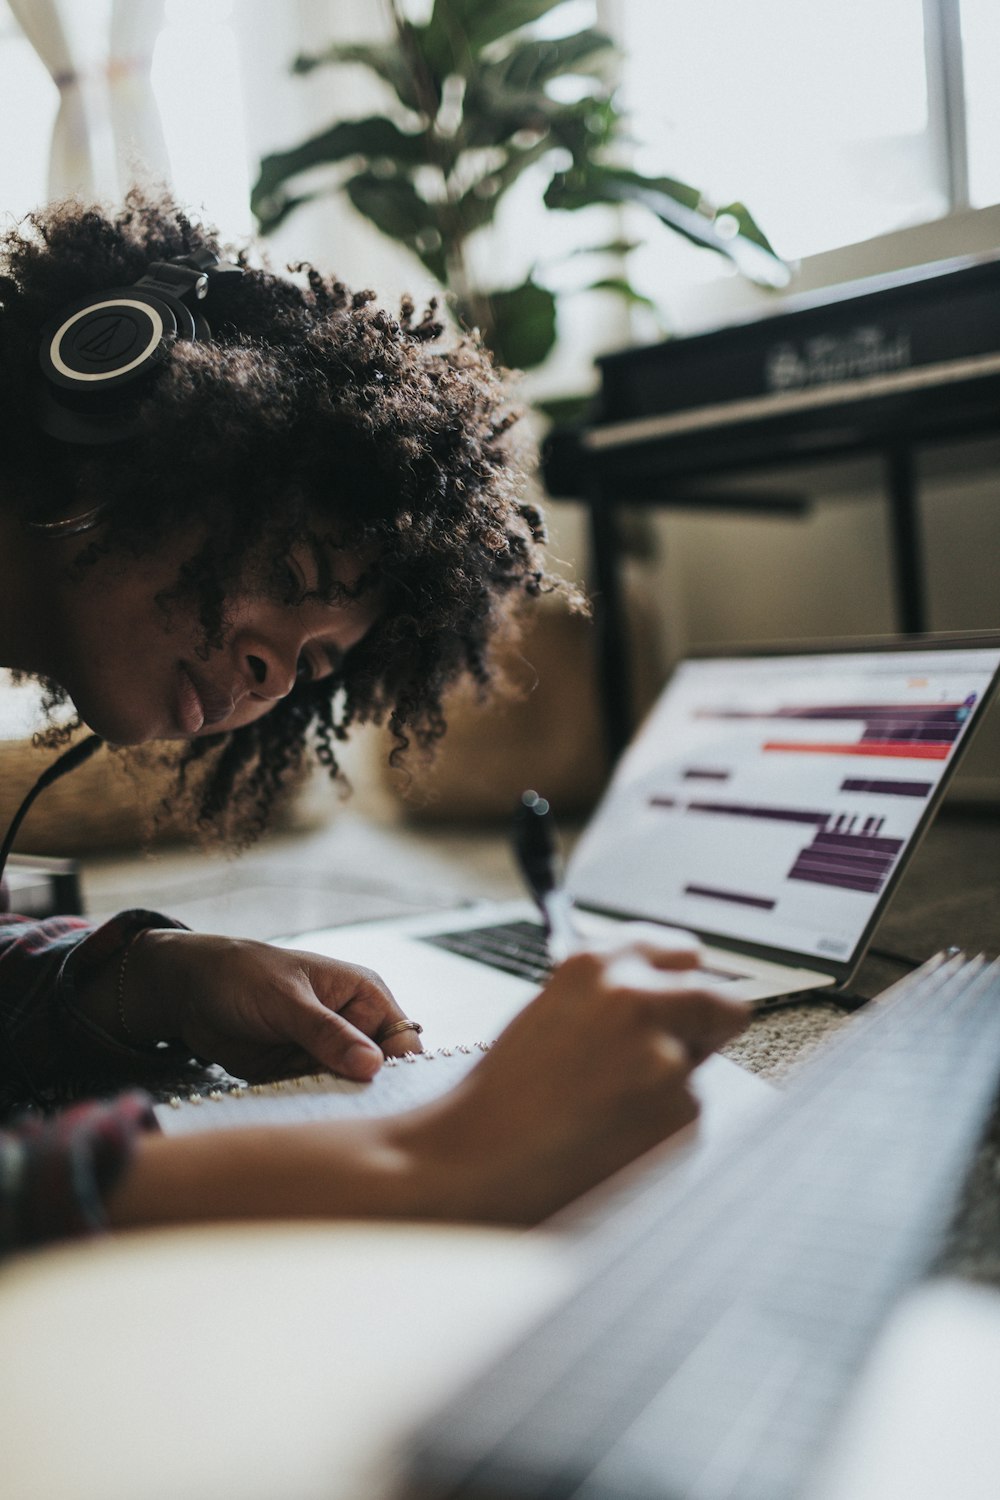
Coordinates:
(260, 1011)
(591, 1074)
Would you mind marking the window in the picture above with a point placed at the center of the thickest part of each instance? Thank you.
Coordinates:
(838, 121)
(980, 25)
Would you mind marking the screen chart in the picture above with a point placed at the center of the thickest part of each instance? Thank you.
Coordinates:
(771, 799)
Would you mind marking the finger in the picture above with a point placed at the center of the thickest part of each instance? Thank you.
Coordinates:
(703, 1020)
(392, 1031)
(362, 997)
(333, 1042)
(399, 1043)
(666, 948)
(668, 958)
(632, 969)
(655, 935)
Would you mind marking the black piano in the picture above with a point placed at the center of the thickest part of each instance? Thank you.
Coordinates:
(885, 365)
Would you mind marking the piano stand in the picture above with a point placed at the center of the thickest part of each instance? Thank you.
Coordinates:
(613, 656)
(884, 367)
(907, 551)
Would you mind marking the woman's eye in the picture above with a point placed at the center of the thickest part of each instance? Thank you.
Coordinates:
(295, 584)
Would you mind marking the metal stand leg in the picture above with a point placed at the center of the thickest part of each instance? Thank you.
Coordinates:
(901, 485)
(613, 674)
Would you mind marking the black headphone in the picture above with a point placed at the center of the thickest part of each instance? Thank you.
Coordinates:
(99, 354)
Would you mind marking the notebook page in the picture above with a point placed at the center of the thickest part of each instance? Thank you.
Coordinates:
(401, 1083)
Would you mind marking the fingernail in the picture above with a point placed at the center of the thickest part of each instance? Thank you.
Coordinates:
(362, 1058)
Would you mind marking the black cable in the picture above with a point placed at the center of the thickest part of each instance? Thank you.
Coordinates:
(68, 761)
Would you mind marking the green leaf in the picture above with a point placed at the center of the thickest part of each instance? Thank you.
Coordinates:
(613, 247)
(478, 206)
(522, 331)
(676, 204)
(748, 226)
(587, 127)
(390, 61)
(374, 138)
(536, 61)
(481, 22)
(509, 93)
(591, 182)
(275, 210)
(623, 288)
(395, 207)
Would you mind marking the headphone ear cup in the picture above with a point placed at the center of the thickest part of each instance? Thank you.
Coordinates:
(101, 344)
(98, 355)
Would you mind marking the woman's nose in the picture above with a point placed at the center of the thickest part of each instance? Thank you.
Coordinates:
(271, 674)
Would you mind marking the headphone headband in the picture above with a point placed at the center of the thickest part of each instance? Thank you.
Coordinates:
(98, 354)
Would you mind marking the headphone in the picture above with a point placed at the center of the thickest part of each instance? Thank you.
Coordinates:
(98, 355)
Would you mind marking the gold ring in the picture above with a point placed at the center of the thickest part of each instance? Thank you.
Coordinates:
(396, 1027)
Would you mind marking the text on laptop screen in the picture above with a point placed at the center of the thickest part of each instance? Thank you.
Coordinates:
(769, 799)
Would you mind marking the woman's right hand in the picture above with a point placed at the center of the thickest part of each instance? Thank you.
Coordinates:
(592, 1073)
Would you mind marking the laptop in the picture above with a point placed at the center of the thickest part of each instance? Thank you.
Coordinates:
(768, 804)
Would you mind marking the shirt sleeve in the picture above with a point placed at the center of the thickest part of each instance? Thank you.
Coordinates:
(56, 1171)
(47, 1041)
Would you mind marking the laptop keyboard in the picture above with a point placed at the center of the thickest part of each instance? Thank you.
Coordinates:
(707, 1354)
(521, 948)
(515, 947)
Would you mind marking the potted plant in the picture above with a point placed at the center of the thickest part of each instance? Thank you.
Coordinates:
(478, 95)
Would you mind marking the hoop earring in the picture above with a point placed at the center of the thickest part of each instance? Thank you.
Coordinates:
(72, 525)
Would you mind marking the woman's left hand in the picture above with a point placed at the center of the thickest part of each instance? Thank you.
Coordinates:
(261, 1012)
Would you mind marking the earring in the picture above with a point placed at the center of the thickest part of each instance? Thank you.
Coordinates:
(72, 525)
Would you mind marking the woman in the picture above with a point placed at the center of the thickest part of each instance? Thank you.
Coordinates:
(240, 511)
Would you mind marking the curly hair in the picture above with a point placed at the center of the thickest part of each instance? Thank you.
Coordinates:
(312, 413)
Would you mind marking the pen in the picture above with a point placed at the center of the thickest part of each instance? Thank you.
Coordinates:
(537, 854)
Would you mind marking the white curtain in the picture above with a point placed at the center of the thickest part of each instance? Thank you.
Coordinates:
(140, 150)
(71, 162)
(107, 132)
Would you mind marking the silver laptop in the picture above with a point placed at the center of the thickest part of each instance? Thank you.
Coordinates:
(768, 804)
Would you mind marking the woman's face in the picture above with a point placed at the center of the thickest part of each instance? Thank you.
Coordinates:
(136, 672)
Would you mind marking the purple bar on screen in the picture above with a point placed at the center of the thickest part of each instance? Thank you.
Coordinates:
(748, 810)
(844, 882)
(888, 788)
(859, 841)
(764, 903)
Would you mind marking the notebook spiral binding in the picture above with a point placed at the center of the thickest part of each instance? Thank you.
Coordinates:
(313, 1082)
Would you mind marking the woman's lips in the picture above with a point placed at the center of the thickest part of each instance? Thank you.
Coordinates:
(200, 706)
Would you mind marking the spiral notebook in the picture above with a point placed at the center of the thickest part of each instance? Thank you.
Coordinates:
(728, 1094)
(401, 1083)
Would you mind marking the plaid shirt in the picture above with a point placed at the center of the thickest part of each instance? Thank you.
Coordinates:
(56, 1169)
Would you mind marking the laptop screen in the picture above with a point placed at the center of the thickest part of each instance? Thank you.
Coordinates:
(770, 799)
